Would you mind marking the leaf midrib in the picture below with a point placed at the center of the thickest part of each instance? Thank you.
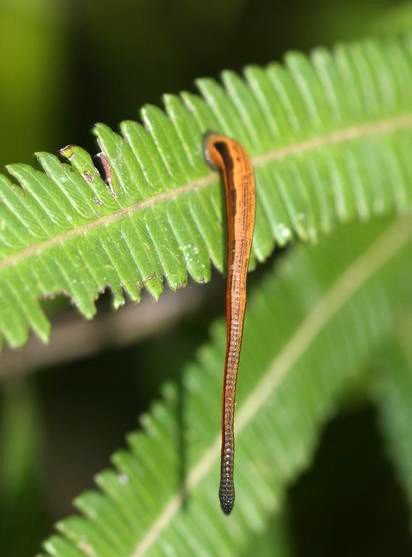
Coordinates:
(377, 255)
(344, 135)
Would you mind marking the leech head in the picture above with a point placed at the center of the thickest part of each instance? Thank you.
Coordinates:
(214, 149)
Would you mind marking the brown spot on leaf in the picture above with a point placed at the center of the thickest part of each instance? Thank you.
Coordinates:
(88, 177)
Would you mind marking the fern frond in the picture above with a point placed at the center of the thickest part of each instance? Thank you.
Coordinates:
(309, 330)
(330, 136)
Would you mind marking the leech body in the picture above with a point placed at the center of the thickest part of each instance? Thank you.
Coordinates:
(230, 157)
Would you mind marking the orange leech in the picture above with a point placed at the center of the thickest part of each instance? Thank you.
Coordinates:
(232, 160)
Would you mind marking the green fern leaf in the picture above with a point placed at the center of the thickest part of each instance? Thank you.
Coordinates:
(309, 330)
(330, 136)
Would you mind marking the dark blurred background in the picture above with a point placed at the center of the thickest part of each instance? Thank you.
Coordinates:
(64, 65)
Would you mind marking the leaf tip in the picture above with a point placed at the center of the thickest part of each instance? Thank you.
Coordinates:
(67, 152)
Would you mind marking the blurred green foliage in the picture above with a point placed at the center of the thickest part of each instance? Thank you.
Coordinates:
(32, 72)
(63, 66)
(23, 509)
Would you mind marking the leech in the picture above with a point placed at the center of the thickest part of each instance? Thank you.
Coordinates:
(231, 159)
